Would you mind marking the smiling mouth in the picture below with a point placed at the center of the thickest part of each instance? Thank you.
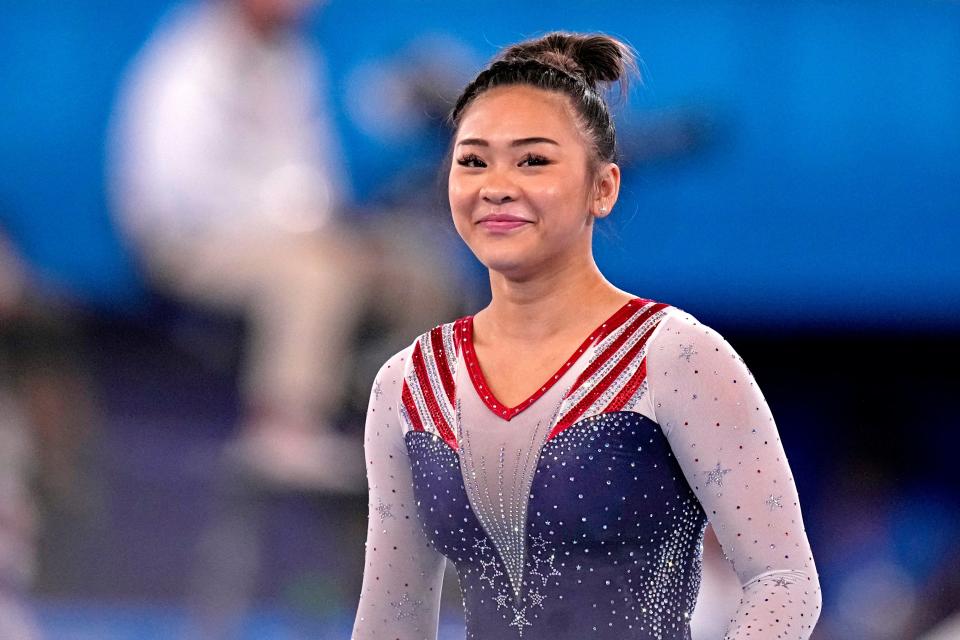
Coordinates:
(503, 217)
(502, 223)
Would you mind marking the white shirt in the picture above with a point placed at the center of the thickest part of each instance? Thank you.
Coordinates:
(218, 132)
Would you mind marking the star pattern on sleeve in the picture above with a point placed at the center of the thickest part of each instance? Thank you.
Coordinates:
(402, 574)
(715, 475)
(781, 582)
(730, 450)
(384, 510)
(687, 351)
(774, 502)
(406, 607)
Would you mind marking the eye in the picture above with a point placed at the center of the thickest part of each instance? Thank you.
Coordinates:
(534, 160)
(471, 160)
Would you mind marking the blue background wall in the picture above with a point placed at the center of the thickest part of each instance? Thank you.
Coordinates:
(827, 192)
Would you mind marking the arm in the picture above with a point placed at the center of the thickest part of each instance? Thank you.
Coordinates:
(402, 573)
(725, 439)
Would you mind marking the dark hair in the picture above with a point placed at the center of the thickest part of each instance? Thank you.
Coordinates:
(580, 66)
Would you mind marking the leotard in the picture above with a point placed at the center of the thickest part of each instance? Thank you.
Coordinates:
(580, 512)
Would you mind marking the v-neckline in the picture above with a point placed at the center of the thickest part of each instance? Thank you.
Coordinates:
(500, 409)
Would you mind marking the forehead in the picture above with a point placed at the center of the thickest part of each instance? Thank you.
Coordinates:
(519, 111)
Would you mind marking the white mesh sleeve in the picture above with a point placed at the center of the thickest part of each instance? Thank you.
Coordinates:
(402, 573)
(725, 439)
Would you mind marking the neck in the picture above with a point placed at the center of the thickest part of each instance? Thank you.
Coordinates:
(256, 23)
(558, 299)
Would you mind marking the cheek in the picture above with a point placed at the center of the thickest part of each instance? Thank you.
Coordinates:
(459, 195)
(552, 191)
(454, 193)
(558, 200)
(459, 205)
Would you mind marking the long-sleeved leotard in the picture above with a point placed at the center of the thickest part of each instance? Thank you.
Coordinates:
(580, 512)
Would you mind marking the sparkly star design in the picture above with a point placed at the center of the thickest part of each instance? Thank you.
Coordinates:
(536, 572)
(405, 608)
(782, 582)
(501, 600)
(377, 389)
(536, 599)
(537, 542)
(492, 564)
(774, 502)
(520, 620)
(384, 510)
(687, 352)
(715, 475)
(480, 545)
(545, 576)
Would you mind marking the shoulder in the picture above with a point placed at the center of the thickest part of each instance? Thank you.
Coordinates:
(391, 371)
(678, 327)
(684, 346)
(179, 33)
(654, 322)
(426, 389)
(185, 54)
(437, 347)
(680, 339)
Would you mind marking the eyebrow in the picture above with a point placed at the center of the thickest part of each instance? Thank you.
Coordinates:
(480, 142)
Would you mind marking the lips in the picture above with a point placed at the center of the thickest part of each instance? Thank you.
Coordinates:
(502, 217)
(502, 222)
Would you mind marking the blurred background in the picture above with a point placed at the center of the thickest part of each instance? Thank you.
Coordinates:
(217, 219)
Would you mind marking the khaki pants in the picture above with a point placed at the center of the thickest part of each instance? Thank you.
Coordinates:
(302, 296)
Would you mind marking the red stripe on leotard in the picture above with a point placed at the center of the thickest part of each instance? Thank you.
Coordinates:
(443, 366)
(420, 368)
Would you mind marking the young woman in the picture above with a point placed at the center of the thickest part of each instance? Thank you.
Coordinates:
(566, 446)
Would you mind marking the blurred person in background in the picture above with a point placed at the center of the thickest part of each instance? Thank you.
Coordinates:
(227, 177)
(49, 493)
(17, 471)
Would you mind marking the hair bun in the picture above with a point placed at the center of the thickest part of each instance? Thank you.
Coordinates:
(570, 63)
(594, 57)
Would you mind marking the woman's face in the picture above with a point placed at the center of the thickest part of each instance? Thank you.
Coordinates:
(521, 191)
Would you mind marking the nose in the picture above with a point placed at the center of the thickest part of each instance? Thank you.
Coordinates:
(498, 188)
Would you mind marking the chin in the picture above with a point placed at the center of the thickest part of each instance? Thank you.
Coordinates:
(509, 263)
(511, 256)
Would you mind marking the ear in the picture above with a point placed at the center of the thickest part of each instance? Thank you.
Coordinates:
(606, 190)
